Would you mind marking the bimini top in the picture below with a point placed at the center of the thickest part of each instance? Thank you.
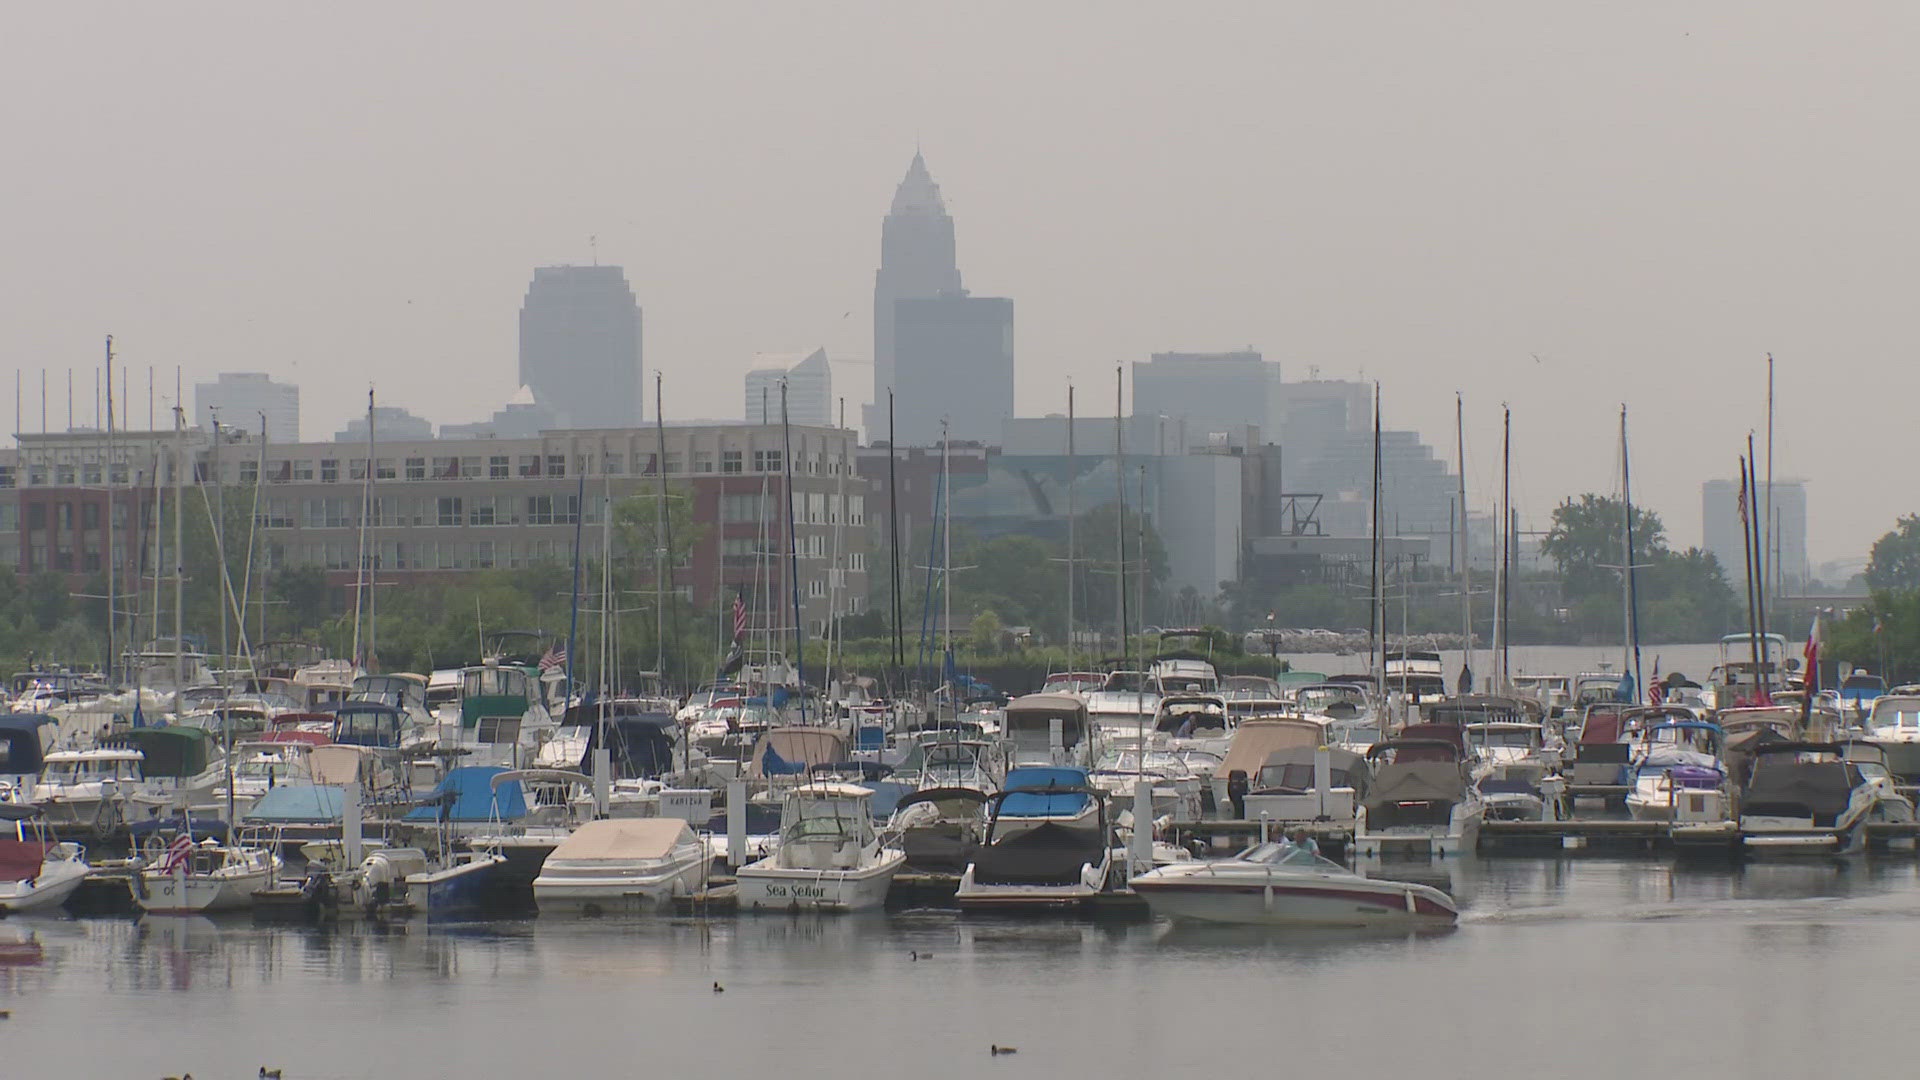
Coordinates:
(622, 840)
(301, 803)
(788, 751)
(1254, 741)
(467, 794)
(1044, 791)
(170, 751)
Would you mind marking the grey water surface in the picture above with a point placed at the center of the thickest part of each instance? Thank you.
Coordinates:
(1580, 968)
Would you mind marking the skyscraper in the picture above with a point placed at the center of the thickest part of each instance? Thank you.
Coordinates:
(917, 261)
(809, 389)
(580, 345)
(1721, 531)
(240, 398)
(953, 360)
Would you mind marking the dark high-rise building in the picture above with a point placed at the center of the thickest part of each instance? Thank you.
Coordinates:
(916, 262)
(953, 359)
(580, 345)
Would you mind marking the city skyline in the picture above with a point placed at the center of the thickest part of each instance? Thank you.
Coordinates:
(1382, 212)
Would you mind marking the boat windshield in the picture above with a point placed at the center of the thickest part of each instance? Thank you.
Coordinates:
(1324, 699)
(1126, 761)
(1283, 853)
(1499, 736)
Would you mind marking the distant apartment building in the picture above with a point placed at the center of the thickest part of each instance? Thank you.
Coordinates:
(809, 381)
(443, 506)
(580, 345)
(241, 399)
(390, 422)
(1783, 547)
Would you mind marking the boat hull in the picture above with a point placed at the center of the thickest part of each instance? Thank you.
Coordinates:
(1459, 836)
(182, 894)
(763, 887)
(460, 889)
(623, 889)
(46, 892)
(1320, 904)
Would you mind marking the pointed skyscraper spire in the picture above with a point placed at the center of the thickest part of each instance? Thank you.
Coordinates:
(917, 193)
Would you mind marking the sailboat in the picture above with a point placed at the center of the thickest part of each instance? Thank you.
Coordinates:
(190, 878)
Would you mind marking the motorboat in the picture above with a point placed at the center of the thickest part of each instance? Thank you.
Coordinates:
(1175, 788)
(555, 800)
(96, 789)
(1046, 795)
(460, 886)
(1118, 714)
(619, 864)
(36, 874)
(1421, 801)
(940, 828)
(1894, 724)
(828, 856)
(1194, 722)
(1254, 741)
(1509, 761)
(1309, 783)
(466, 803)
(937, 761)
(1806, 798)
(1282, 884)
(1676, 774)
(1059, 862)
(1553, 692)
(1049, 729)
(25, 741)
(201, 878)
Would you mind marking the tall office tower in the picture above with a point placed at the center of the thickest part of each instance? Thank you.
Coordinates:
(1200, 394)
(809, 389)
(580, 345)
(916, 262)
(953, 360)
(240, 398)
(1721, 528)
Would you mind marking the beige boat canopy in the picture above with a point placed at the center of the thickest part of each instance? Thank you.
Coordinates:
(623, 840)
(1254, 741)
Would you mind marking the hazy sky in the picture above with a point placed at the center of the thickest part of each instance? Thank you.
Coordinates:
(1558, 206)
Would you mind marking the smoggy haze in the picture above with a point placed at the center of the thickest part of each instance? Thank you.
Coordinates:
(1544, 204)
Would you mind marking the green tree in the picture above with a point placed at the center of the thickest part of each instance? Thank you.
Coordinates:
(983, 636)
(1894, 564)
(1584, 539)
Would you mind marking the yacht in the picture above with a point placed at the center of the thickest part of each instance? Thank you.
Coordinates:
(1807, 799)
(36, 874)
(202, 878)
(940, 828)
(1280, 884)
(1421, 801)
(1894, 724)
(1175, 788)
(1509, 760)
(1292, 787)
(1253, 743)
(827, 857)
(621, 864)
(1059, 862)
(93, 789)
(1676, 774)
(1049, 729)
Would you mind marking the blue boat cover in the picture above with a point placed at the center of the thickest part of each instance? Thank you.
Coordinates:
(886, 796)
(1029, 782)
(473, 797)
(297, 803)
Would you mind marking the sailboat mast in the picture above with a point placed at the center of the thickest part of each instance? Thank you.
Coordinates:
(1771, 558)
(837, 573)
(367, 543)
(113, 551)
(1120, 511)
(893, 529)
(1626, 554)
(946, 561)
(1502, 671)
(663, 566)
(179, 552)
(1072, 474)
(1633, 590)
(793, 554)
(1376, 616)
(1466, 563)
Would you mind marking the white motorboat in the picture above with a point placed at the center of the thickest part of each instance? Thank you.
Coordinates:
(1676, 774)
(1175, 789)
(1421, 801)
(202, 878)
(828, 856)
(36, 874)
(1050, 729)
(93, 789)
(1280, 884)
(1292, 786)
(940, 828)
(1808, 799)
(1063, 862)
(621, 864)
(1894, 724)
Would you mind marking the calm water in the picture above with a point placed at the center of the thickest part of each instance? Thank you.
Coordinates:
(1560, 968)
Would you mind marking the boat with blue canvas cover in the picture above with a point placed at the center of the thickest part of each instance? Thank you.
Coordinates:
(1048, 854)
(298, 813)
(1038, 794)
(466, 803)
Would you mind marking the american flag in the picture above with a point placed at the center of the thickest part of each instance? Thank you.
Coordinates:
(556, 657)
(1743, 491)
(739, 617)
(178, 853)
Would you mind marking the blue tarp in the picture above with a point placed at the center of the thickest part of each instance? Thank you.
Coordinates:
(1029, 782)
(473, 797)
(297, 802)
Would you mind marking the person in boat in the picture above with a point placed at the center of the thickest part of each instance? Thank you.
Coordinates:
(1304, 839)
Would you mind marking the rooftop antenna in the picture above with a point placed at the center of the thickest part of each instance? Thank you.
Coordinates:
(593, 246)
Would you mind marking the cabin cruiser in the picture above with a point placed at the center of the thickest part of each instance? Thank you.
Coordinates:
(1117, 714)
(1253, 743)
(1048, 795)
(1185, 675)
(1894, 724)
(1049, 729)
(1858, 691)
(1060, 862)
(1194, 722)
(621, 863)
(1807, 799)
(1553, 692)
(1309, 783)
(25, 741)
(1509, 761)
(1281, 884)
(1676, 774)
(1073, 682)
(940, 828)
(1336, 702)
(189, 878)
(1420, 802)
(503, 717)
(93, 789)
(938, 762)
(36, 874)
(1175, 790)
(827, 857)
